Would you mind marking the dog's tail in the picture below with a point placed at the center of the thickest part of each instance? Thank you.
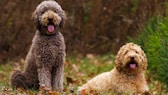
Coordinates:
(18, 80)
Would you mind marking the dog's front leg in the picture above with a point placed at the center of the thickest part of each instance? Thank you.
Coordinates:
(58, 79)
(58, 73)
(44, 77)
(44, 67)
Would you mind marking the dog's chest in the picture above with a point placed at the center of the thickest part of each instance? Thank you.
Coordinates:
(130, 84)
(48, 49)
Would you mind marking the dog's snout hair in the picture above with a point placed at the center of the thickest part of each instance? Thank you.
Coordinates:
(50, 19)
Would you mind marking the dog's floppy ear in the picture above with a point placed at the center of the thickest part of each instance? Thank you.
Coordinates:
(145, 64)
(118, 64)
(145, 61)
(61, 25)
(35, 19)
(63, 19)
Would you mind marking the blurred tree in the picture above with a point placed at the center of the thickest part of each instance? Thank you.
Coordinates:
(93, 26)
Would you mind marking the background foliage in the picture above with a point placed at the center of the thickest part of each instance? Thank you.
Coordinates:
(154, 40)
(93, 26)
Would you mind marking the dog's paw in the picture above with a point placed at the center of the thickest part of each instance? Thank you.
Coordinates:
(81, 91)
(146, 93)
(43, 87)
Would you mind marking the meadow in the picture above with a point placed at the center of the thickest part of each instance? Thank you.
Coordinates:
(78, 69)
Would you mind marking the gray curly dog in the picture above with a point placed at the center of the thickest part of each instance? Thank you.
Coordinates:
(45, 59)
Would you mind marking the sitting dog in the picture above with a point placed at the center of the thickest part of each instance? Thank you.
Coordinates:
(45, 59)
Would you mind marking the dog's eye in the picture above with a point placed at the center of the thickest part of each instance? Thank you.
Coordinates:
(126, 52)
(137, 52)
(42, 12)
(55, 10)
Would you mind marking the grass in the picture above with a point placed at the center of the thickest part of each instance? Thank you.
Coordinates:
(78, 70)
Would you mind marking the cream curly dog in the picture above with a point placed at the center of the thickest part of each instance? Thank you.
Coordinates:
(127, 77)
(45, 59)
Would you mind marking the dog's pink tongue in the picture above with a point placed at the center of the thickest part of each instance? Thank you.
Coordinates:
(50, 28)
(132, 66)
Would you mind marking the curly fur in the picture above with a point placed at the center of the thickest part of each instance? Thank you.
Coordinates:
(45, 59)
(127, 77)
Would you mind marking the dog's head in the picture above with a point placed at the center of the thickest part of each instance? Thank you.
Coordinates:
(131, 59)
(49, 17)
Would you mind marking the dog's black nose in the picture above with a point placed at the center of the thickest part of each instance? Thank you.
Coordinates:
(50, 18)
(132, 58)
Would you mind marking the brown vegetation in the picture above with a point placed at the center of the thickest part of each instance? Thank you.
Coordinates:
(93, 26)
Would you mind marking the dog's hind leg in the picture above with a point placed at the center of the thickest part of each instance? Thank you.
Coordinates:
(18, 80)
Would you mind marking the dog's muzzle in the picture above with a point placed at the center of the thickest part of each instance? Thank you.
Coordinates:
(50, 26)
(132, 63)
